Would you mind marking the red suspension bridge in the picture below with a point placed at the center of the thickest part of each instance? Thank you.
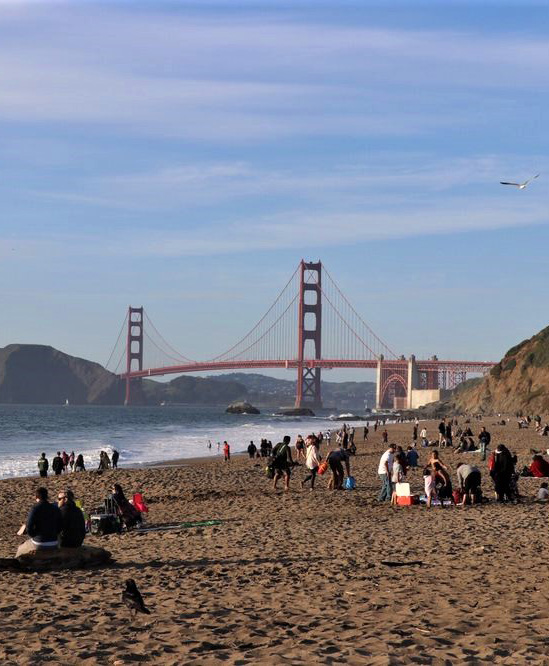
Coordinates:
(310, 326)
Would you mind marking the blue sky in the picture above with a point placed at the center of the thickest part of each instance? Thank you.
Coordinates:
(185, 156)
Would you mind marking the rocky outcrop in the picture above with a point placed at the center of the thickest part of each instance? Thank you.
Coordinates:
(518, 383)
(242, 408)
(296, 411)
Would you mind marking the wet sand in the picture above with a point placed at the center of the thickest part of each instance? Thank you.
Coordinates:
(290, 578)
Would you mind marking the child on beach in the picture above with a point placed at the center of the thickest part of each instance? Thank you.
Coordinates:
(430, 487)
(543, 492)
(397, 476)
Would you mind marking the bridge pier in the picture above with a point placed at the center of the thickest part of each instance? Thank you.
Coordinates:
(309, 323)
(134, 347)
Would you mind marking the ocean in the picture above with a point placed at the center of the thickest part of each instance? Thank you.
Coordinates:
(140, 434)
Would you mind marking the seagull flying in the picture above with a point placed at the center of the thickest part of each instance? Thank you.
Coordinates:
(521, 186)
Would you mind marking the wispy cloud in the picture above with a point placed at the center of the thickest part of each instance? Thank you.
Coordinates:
(235, 78)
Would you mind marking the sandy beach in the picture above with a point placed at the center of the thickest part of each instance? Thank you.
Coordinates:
(290, 578)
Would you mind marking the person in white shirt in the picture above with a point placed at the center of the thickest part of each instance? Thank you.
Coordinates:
(397, 476)
(312, 460)
(423, 435)
(384, 470)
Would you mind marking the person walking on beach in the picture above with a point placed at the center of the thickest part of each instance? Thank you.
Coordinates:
(43, 466)
(79, 464)
(57, 464)
(226, 451)
(65, 457)
(299, 448)
(366, 431)
(252, 449)
(71, 461)
(414, 435)
(442, 433)
(423, 435)
(114, 459)
(385, 436)
(384, 470)
(484, 438)
(282, 462)
(502, 472)
(312, 460)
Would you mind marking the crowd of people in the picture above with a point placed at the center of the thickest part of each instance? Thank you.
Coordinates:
(65, 523)
(63, 463)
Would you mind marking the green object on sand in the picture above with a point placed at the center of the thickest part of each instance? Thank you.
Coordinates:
(180, 526)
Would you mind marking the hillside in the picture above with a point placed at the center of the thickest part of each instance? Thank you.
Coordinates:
(38, 374)
(518, 383)
(275, 392)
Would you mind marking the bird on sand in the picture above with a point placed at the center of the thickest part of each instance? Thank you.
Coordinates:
(133, 599)
(521, 186)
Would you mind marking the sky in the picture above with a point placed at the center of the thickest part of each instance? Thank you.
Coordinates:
(185, 156)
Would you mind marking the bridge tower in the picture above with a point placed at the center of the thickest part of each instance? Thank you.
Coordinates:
(308, 392)
(134, 347)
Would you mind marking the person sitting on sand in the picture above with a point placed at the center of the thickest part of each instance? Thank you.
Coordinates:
(44, 523)
(543, 492)
(74, 525)
(312, 460)
(336, 459)
(539, 466)
(128, 514)
(469, 479)
(282, 462)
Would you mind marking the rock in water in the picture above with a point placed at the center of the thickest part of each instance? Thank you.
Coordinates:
(296, 411)
(242, 408)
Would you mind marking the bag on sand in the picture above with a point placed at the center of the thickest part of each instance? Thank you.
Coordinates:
(350, 483)
(269, 471)
(458, 496)
(322, 468)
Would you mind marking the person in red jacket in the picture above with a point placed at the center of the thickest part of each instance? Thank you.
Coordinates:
(226, 451)
(539, 466)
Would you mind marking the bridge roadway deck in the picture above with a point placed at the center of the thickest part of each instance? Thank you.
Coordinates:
(328, 364)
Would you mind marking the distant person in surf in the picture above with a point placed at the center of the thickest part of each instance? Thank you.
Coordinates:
(114, 459)
(57, 464)
(43, 465)
(104, 461)
(71, 461)
(226, 451)
(300, 448)
(79, 464)
(65, 457)
(252, 450)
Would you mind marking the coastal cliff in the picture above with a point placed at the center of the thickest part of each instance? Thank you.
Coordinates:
(518, 383)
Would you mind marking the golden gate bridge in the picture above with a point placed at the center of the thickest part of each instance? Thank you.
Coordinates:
(310, 326)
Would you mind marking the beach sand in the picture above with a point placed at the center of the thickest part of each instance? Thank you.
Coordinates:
(290, 578)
